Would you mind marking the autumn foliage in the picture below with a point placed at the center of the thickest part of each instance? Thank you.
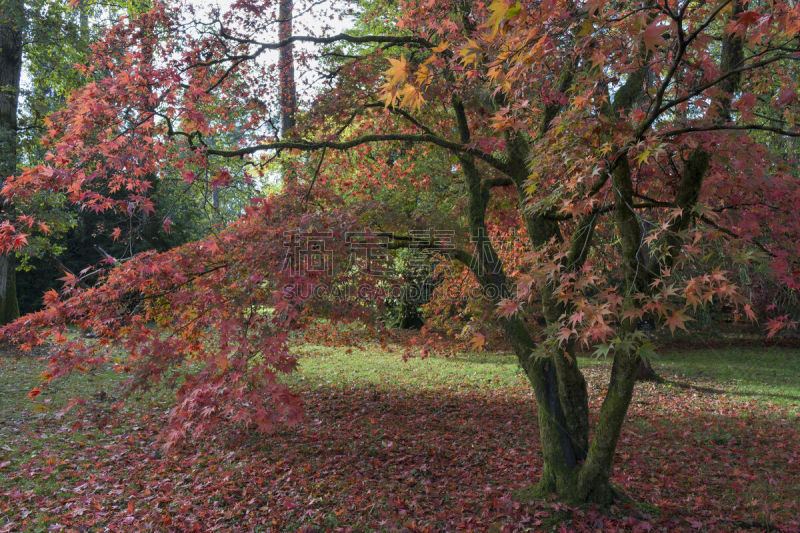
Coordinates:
(620, 149)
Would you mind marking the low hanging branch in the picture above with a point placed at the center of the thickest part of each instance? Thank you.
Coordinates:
(609, 134)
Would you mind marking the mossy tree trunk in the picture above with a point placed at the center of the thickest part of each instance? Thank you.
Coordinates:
(559, 386)
(11, 22)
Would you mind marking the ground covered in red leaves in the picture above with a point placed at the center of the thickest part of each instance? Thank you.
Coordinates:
(376, 455)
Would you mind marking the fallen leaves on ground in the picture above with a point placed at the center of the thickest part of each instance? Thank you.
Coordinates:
(383, 458)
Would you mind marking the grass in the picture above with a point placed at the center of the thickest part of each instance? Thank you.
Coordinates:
(320, 365)
(433, 444)
(771, 374)
(765, 374)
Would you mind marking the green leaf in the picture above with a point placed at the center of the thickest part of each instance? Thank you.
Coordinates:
(602, 350)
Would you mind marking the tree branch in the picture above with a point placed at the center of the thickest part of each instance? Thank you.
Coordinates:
(339, 37)
(310, 146)
(739, 127)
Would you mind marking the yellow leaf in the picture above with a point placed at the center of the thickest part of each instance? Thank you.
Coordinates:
(514, 11)
(398, 72)
(644, 156)
(411, 97)
(422, 74)
(478, 342)
(470, 52)
(498, 10)
(388, 94)
(500, 13)
(441, 47)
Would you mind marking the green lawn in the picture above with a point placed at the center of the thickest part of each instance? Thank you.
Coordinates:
(328, 366)
(765, 374)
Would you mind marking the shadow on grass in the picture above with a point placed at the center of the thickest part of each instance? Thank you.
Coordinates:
(712, 390)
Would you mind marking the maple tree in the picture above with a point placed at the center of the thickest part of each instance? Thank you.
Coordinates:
(43, 39)
(56, 36)
(617, 139)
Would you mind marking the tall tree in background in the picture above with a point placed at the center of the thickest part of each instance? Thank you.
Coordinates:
(57, 38)
(11, 31)
(288, 86)
(586, 121)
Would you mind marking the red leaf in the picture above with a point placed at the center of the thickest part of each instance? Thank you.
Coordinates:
(652, 35)
(507, 308)
(775, 325)
(677, 319)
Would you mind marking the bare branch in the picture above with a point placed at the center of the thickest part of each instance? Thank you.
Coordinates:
(735, 127)
(310, 146)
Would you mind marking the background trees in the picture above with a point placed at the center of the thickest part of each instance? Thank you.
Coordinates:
(607, 138)
(11, 28)
(53, 38)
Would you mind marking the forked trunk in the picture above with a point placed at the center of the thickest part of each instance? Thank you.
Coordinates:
(575, 469)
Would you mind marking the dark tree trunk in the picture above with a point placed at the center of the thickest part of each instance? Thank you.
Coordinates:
(9, 306)
(288, 87)
(11, 19)
(646, 372)
(286, 68)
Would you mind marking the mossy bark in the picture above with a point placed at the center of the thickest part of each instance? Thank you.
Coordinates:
(594, 478)
(574, 469)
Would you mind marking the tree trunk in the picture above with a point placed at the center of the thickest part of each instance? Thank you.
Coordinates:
(573, 469)
(646, 372)
(286, 68)
(9, 307)
(288, 87)
(10, 69)
(559, 386)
